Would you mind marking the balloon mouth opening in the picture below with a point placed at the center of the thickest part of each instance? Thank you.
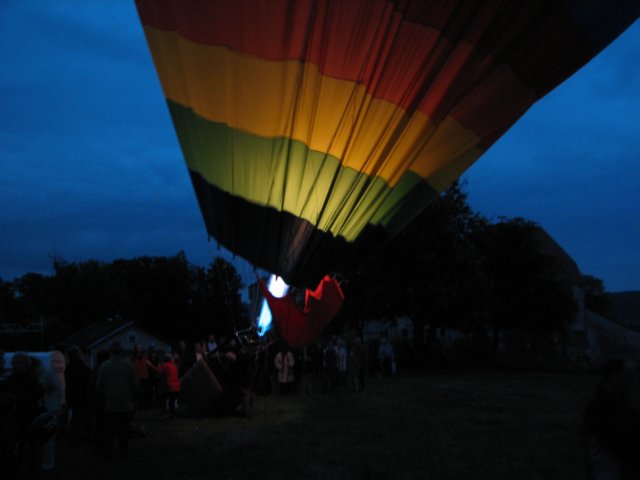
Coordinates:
(278, 288)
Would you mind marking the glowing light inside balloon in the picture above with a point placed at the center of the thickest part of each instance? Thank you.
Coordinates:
(278, 289)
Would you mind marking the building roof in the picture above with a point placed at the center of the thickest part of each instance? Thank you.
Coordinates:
(569, 271)
(96, 332)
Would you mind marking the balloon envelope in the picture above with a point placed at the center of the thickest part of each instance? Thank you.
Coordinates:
(313, 130)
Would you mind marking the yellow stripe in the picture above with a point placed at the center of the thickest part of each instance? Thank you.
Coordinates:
(446, 154)
(294, 99)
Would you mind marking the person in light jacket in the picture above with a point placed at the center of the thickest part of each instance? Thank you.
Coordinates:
(284, 363)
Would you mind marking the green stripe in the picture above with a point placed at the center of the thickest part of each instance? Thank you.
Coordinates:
(286, 175)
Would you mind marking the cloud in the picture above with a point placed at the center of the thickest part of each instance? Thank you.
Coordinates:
(90, 162)
(90, 166)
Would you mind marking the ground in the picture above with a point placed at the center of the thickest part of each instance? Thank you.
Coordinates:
(454, 426)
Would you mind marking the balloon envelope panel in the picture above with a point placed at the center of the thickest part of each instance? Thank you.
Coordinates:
(314, 130)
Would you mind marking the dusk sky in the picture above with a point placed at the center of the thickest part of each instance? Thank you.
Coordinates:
(91, 167)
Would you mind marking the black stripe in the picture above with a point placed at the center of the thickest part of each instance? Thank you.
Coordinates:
(280, 242)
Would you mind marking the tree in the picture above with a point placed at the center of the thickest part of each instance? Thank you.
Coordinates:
(223, 300)
(7, 301)
(430, 272)
(166, 295)
(33, 296)
(526, 289)
(80, 292)
(453, 268)
(596, 298)
(157, 292)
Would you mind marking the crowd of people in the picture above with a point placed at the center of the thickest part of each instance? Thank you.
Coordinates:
(334, 366)
(97, 404)
(42, 396)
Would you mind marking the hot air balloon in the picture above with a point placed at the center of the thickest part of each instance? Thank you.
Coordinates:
(314, 130)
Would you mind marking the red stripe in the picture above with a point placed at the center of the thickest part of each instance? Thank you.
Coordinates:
(433, 56)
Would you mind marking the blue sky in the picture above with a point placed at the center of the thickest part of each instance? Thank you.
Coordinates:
(90, 167)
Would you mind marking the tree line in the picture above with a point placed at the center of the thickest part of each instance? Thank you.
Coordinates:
(168, 296)
(450, 268)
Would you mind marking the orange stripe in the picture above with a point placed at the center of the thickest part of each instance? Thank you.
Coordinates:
(294, 100)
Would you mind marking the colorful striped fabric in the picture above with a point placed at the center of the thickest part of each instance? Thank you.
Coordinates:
(296, 326)
(315, 129)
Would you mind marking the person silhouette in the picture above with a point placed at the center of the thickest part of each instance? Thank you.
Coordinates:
(612, 425)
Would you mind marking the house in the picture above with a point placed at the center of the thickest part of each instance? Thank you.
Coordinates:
(400, 328)
(99, 335)
(593, 338)
(607, 339)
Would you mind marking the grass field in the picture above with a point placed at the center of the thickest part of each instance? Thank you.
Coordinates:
(476, 426)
